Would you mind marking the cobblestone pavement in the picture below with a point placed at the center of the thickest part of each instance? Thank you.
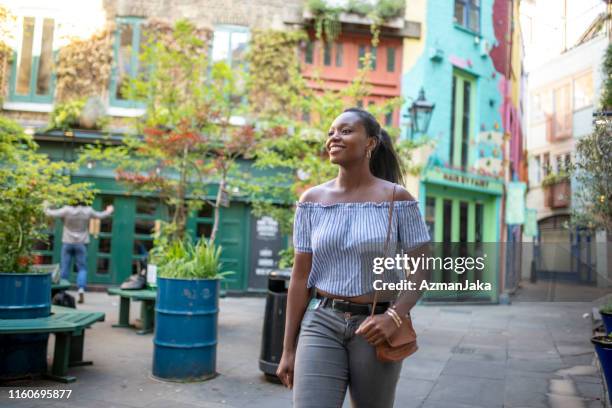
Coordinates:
(526, 354)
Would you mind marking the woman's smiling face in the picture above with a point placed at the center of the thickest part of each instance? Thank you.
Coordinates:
(347, 140)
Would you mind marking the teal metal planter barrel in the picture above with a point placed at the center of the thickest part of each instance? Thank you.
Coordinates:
(603, 347)
(606, 317)
(24, 296)
(185, 341)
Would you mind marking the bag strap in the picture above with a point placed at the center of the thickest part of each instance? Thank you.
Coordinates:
(391, 205)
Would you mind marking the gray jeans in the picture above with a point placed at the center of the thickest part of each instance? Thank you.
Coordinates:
(330, 357)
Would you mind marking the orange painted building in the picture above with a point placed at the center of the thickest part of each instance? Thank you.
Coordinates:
(338, 63)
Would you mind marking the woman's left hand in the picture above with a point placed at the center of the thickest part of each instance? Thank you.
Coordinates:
(377, 329)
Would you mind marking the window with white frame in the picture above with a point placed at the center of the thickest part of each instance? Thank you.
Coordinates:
(32, 78)
(467, 14)
(546, 169)
(564, 162)
(583, 91)
(230, 45)
(535, 170)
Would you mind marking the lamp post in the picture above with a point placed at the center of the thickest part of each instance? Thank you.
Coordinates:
(420, 113)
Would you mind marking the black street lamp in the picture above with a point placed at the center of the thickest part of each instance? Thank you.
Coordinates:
(420, 113)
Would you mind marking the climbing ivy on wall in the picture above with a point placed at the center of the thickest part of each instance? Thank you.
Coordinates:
(606, 97)
(273, 61)
(160, 30)
(83, 67)
(327, 17)
(5, 51)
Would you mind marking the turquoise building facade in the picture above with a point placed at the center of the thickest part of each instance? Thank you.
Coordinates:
(463, 63)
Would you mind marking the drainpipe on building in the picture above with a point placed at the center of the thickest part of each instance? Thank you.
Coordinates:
(504, 297)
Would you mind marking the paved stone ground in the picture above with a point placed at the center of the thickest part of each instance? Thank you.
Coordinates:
(527, 354)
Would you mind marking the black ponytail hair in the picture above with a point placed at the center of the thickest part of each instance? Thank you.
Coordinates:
(384, 162)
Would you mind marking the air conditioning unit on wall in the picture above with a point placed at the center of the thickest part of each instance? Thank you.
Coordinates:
(485, 48)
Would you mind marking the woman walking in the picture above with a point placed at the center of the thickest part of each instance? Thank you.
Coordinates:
(330, 341)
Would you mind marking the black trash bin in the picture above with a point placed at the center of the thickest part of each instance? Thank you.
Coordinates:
(274, 323)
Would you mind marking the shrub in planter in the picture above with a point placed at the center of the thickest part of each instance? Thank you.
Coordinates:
(81, 113)
(603, 347)
(555, 178)
(185, 341)
(27, 180)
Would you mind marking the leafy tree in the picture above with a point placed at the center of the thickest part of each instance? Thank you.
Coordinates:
(606, 97)
(27, 180)
(186, 141)
(593, 168)
(593, 177)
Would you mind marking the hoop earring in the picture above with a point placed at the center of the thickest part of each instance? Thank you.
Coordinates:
(369, 154)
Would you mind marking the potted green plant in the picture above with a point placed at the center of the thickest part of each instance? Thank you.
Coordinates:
(83, 113)
(606, 316)
(27, 180)
(185, 340)
(603, 347)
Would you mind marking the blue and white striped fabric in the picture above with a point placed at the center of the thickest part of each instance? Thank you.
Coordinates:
(345, 237)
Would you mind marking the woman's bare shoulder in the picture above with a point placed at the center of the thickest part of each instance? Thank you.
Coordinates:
(315, 194)
(401, 194)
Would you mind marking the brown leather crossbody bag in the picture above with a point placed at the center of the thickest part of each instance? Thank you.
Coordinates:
(402, 342)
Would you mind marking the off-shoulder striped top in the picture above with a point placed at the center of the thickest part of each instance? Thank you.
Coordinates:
(344, 238)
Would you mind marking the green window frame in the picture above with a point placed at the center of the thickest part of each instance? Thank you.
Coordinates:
(309, 53)
(148, 211)
(339, 54)
(327, 54)
(462, 119)
(362, 54)
(389, 118)
(126, 58)
(200, 222)
(390, 59)
(101, 264)
(467, 14)
(32, 77)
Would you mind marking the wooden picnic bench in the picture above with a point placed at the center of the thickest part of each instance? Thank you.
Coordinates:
(147, 307)
(69, 326)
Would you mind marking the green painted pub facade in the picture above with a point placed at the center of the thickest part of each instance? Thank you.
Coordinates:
(124, 239)
(462, 213)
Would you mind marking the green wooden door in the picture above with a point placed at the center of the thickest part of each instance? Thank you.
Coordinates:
(100, 268)
(233, 237)
(124, 239)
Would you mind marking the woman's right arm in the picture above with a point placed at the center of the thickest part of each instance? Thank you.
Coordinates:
(297, 298)
(297, 301)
